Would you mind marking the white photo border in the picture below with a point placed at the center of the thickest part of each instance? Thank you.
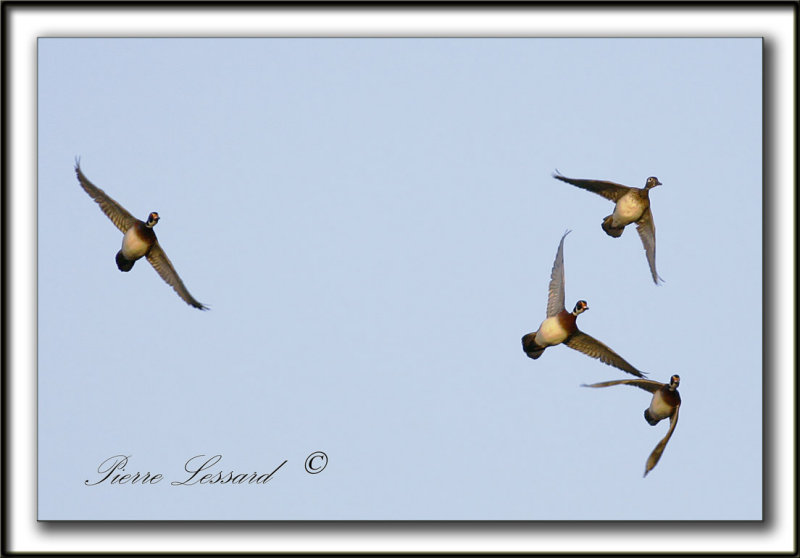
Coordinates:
(25, 22)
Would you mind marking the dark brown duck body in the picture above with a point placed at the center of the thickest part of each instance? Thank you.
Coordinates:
(629, 208)
(138, 240)
(665, 400)
(560, 326)
(631, 205)
(666, 403)
(138, 235)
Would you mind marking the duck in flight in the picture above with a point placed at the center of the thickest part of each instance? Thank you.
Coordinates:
(560, 326)
(139, 240)
(665, 404)
(632, 205)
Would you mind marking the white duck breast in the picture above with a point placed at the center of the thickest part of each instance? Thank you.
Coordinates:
(660, 409)
(551, 332)
(133, 246)
(629, 208)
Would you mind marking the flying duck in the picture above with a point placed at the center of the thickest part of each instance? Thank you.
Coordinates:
(665, 404)
(139, 239)
(560, 326)
(632, 205)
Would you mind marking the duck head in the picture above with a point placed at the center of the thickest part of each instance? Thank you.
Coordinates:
(652, 182)
(580, 307)
(152, 219)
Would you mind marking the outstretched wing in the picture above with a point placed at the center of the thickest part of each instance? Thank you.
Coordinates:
(659, 449)
(590, 346)
(647, 232)
(555, 293)
(160, 262)
(113, 210)
(609, 190)
(647, 385)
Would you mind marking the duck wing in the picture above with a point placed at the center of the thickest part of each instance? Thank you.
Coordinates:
(555, 292)
(160, 262)
(647, 232)
(609, 190)
(648, 385)
(659, 449)
(590, 346)
(113, 210)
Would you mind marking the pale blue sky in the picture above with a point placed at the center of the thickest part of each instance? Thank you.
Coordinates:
(373, 223)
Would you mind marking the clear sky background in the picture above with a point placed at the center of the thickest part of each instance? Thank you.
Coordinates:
(373, 223)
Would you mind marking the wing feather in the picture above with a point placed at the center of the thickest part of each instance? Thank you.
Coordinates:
(555, 292)
(590, 346)
(113, 210)
(609, 190)
(659, 449)
(160, 262)
(647, 232)
(647, 385)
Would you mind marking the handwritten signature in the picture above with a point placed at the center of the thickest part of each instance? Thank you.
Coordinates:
(201, 470)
